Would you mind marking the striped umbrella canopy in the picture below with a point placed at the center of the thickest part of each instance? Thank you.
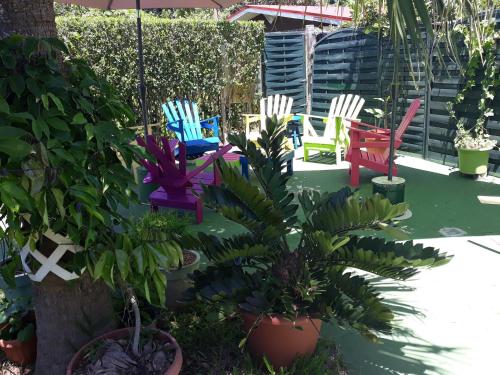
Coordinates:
(148, 4)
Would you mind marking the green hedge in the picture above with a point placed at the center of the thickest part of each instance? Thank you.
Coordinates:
(182, 57)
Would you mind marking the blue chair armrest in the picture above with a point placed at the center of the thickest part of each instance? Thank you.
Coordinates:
(211, 123)
(179, 128)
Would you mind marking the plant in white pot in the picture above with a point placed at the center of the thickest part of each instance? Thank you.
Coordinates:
(472, 140)
(64, 153)
(158, 227)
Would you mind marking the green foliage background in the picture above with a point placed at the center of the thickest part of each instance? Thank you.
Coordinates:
(183, 57)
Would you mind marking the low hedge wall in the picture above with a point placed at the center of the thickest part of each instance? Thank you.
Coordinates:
(183, 57)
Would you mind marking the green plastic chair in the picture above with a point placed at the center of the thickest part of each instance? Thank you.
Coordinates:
(335, 136)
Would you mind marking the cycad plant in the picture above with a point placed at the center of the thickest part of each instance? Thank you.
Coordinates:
(292, 262)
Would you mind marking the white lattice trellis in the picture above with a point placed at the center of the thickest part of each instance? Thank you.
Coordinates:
(50, 264)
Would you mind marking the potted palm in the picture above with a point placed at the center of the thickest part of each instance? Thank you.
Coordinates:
(158, 227)
(290, 271)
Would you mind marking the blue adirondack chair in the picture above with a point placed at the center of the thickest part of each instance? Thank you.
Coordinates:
(183, 119)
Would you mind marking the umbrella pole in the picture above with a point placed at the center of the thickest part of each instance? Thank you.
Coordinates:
(395, 94)
(142, 84)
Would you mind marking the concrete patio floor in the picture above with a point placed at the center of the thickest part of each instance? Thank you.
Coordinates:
(448, 317)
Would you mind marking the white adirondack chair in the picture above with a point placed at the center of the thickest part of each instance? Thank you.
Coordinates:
(279, 105)
(335, 136)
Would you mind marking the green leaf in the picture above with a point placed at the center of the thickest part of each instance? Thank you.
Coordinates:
(26, 333)
(146, 291)
(79, 119)
(160, 283)
(123, 262)
(57, 102)
(139, 259)
(45, 101)
(59, 197)
(16, 192)
(15, 148)
(11, 132)
(58, 124)
(394, 232)
(33, 87)
(17, 84)
(104, 265)
(4, 106)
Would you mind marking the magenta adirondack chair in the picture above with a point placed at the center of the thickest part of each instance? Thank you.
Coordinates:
(179, 188)
(370, 148)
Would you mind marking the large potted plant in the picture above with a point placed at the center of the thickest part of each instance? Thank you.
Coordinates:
(473, 147)
(64, 155)
(157, 227)
(289, 271)
(17, 331)
(472, 140)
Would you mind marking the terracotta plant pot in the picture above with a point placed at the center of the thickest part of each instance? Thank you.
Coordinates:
(20, 352)
(279, 340)
(174, 369)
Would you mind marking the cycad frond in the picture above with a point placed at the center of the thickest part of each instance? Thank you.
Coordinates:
(388, 259)
(356, 303)
(243, 202)
(266, 157)
(355, 214)
(222, 250)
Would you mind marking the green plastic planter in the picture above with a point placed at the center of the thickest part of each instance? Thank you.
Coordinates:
(473, 161)
(393, 190)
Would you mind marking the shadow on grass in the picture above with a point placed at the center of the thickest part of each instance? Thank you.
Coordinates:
(402, 353)
(323, 158)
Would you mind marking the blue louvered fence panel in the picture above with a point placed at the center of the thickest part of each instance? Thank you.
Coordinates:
(284, 67)
(351, 61)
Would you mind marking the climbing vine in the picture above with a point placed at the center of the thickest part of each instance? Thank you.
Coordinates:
(481, 69)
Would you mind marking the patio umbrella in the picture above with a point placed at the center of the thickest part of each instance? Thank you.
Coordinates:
(148, 4)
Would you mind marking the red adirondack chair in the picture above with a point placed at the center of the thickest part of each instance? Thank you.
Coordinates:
(178, 187)
(365, 146)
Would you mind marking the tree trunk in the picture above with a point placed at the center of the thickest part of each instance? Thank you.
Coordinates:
(68, 315)
(27, 17)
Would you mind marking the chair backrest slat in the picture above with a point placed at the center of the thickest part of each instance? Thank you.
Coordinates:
(344, 106)
(187, 112)
(196, 119)
(405, 122)
(276, 104)
(279, 105)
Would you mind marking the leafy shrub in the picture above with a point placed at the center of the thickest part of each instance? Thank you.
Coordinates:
(161, 226)
(182, 57)
(64, 152)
